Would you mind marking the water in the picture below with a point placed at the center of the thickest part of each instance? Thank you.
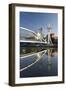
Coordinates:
(37, 63)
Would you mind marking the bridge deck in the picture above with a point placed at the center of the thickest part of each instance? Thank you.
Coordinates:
(33, 41)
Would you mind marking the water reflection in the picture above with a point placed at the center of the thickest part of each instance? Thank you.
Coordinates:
(30, 50)
(43, 63)
(38, 55)
(51, 53)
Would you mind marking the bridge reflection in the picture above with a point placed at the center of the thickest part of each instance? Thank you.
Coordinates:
(36, 57)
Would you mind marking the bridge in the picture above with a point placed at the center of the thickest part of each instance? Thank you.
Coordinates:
(37, 36)
(38, 41)
(32, 41)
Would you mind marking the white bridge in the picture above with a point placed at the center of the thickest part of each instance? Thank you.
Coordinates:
(33, 41)
(37, 36)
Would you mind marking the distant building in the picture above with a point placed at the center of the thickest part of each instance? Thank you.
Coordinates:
(54, 38)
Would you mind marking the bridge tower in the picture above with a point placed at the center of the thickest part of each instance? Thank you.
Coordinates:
(49, 32)
(41, 32)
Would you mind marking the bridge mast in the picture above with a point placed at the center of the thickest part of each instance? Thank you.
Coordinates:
(49, 32)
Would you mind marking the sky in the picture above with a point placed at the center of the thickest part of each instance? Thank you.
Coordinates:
(34, 21)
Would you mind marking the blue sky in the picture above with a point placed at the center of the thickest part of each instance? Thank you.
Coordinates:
(34, 21)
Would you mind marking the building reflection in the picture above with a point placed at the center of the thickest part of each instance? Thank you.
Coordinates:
(51, 53)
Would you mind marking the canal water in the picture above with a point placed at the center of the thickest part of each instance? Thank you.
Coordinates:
(36, 62)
